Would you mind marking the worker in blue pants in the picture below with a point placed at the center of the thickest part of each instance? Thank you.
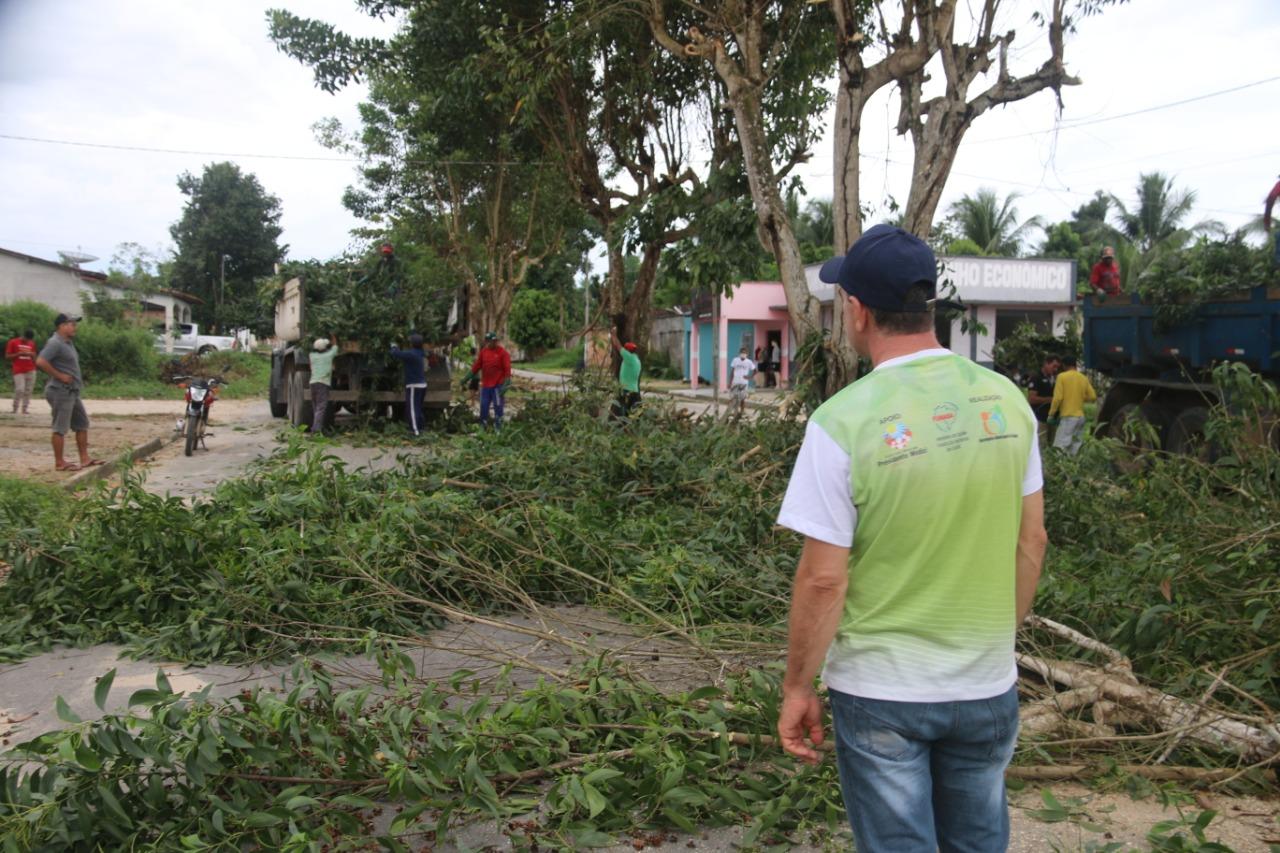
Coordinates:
(414, 360)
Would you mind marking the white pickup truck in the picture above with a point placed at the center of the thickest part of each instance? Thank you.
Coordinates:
(186, 339)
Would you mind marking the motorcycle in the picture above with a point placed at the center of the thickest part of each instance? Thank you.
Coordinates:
(201, 392)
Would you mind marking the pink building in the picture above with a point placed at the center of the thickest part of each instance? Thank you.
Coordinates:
(754, 316)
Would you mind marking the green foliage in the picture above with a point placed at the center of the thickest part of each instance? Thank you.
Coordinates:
(658, 365)
(18, 317)
(558, 359)
(32, 505)
(108, 351)
(1172, 561)
(597, 758)
(1178, 282)
(1026, 348)
(227, 239)
(963, 246)
(533, 322)
(297, 543)
(991, 223)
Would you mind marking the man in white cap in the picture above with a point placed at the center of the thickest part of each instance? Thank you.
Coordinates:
(918, 491)
(323, 352)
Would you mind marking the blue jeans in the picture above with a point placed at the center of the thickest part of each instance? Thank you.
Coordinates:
(491, 397)
(919, 777)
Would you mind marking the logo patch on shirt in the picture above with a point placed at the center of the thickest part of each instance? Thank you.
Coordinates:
(944, 416)
(993, 422)
(898, 437)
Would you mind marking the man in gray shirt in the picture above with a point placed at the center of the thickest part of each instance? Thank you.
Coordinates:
(60, 360)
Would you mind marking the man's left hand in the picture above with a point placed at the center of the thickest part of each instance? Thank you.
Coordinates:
(801, 715)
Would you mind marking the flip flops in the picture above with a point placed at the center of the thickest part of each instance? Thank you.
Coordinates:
(70, 466)
(93, 462)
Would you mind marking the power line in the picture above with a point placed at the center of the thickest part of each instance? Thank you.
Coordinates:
(242, 155)
(1086, 122)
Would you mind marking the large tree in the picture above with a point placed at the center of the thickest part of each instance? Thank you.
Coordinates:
(441, 147)
(227, 237)
(752, 43)
(640, 134)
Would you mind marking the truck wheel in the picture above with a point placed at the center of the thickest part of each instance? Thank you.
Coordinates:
(1187, 437)
(277, 394)
(206, 349)
(299, 408)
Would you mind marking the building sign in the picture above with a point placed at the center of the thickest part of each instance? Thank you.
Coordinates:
(1010, 279)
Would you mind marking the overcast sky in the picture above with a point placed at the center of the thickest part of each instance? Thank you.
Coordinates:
(204, 77)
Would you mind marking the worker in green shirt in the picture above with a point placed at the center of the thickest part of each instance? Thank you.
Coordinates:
(628, 373)
(323, 352)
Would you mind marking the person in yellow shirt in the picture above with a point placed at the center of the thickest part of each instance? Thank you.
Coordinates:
(1071, 391)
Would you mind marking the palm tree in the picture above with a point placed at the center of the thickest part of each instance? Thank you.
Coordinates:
(817, 224)
(1156, 220)
(990, 223)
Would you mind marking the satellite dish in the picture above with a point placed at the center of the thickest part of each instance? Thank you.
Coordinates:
(76, 258)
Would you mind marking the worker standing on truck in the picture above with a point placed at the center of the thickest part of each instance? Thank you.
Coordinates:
(323, 352)
(1071, 391)
(1105, 277)
(493, 365)
(1266, 218)
(414, 360)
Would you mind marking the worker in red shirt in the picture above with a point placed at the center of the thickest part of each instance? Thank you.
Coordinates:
(493, 364)
(1266, 217)
(1105, 276)
(21, 354)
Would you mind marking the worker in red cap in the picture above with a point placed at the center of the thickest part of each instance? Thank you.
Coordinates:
(1105, 276)
(628, 373)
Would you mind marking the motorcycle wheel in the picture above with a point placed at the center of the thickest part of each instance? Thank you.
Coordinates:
(193, 427)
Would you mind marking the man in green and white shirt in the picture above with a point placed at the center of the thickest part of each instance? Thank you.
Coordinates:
(918, 489)
(323, 352)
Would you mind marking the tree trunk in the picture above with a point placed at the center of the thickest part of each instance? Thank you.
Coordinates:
(774, 227)
(639, 303)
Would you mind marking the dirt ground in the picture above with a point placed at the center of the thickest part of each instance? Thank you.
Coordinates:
(115, 426)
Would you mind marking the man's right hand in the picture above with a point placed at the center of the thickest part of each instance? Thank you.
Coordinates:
(801, 715)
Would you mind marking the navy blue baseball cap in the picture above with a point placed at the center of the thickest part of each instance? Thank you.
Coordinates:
(881, 266)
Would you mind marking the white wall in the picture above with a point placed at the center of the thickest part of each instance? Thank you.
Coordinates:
(21, 279)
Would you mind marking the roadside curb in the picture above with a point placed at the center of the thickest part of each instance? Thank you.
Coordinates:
(109, 467)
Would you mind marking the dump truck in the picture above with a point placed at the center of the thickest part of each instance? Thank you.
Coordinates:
(1163, 375)
(362, 381)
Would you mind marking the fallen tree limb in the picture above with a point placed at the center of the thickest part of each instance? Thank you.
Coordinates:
(1158, 773)
(1252, 743)
(1082, 640)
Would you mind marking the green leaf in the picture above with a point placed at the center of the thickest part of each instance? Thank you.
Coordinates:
(407, 817)
(603, 774)
(353, 801)
(588, 837)
(88, 759)
(162, 682)
(146, 696)
(300, 802)
(64, 711)
(102, 688)
(261, 820)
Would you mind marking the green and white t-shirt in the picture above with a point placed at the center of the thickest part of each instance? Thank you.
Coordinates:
(920, 468)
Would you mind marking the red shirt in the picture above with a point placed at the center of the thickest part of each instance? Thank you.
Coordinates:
(494, 366)
(1106, 277)
(26, 360)
(1271, 200)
